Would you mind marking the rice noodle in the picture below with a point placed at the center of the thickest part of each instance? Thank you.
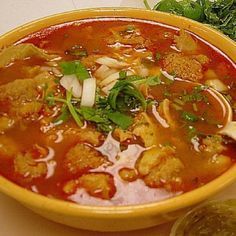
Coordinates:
(103, 71)
(112, 78)
(166, 112)
(111, 62)
(217, 85)
(107, 88)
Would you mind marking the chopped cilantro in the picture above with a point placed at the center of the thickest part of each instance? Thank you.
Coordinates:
(93, 114)
(120, 119)
(105, 119)
(122, 74)
(75, 67)
(196, 95)
(188, 116)
(125, 88)
(153, 80)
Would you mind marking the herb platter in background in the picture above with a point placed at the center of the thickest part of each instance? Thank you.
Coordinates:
(221, 14)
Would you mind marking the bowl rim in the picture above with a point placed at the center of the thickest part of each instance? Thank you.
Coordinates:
(184, 200)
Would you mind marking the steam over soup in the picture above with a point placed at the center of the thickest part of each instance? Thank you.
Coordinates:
(115, 112)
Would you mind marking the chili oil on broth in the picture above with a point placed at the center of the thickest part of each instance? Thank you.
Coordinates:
(172, 145)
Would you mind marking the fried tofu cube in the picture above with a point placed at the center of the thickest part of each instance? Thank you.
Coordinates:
(82, 158)
(166, 174)
(70, 187)
(213, 144)
(152, 158)
(28, 167)
(8, 148)
(145, 128)
(100, 185)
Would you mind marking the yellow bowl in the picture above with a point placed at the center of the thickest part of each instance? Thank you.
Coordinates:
(119, 218)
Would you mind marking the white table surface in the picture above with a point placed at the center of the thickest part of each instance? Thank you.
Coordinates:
(15, 220)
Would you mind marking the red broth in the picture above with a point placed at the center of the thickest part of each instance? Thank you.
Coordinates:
(172, 144)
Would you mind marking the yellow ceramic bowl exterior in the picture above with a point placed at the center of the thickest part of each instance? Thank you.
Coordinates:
(119, 218)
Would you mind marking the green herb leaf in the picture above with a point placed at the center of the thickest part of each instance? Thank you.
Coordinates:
(171, 6)
(221, 14)
(196, 95)
(98, 116)
(153, 80)
(193, 10)
(50, 99)
(92, 114)
(120, 119)
(124, 87)
(122, 74)
(75, 67)
(188, 116)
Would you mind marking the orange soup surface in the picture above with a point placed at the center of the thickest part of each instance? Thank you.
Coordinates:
(115, 112)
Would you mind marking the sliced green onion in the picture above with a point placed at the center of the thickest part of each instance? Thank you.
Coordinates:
(188, 116)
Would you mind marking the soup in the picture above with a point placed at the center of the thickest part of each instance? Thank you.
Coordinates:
(115, 112)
